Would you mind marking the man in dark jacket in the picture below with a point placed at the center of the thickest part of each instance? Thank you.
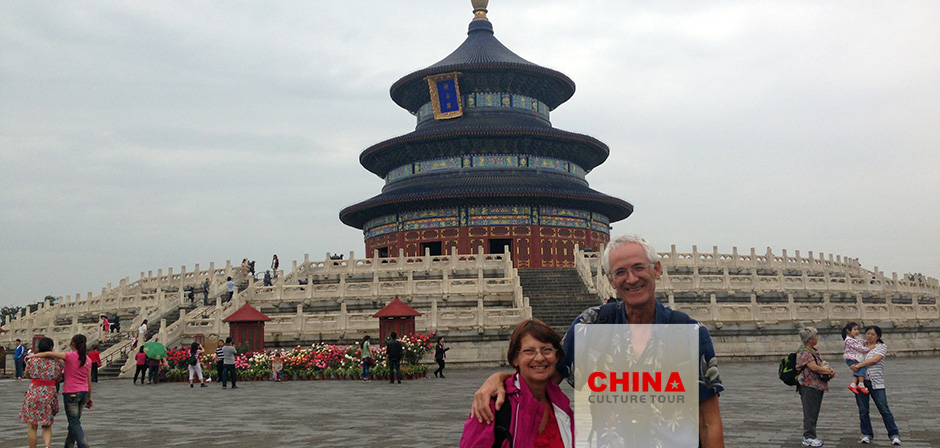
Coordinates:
(393, 351)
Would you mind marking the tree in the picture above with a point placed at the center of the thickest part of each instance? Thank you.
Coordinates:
(12, 311)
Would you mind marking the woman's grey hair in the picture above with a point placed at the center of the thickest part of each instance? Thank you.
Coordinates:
(623, 240)
(807, 333)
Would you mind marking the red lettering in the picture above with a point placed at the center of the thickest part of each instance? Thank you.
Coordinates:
(623, 381)
(649, 380)
(592, 377)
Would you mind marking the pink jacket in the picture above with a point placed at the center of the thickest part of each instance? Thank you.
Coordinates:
(526, 417)
(854, 347)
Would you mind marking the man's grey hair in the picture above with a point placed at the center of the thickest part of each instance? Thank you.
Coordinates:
(623, 240)
(807, 333)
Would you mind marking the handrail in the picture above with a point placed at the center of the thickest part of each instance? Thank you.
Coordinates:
(119, 348)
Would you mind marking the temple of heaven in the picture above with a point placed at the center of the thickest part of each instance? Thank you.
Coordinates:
(484, 167)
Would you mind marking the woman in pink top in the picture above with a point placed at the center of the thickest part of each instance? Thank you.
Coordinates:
(540, 413)
(77, 390)
(141, 359)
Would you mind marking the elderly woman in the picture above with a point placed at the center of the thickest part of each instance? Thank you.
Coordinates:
(875, 382)
(811, 383)
(540, 414)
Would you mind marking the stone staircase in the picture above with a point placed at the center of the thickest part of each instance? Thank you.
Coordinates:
(556, 296)
(113, 369)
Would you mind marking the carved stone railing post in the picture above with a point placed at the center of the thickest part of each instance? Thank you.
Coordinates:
(300, 322)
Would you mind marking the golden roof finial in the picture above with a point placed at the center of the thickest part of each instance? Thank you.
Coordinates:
(479, 9)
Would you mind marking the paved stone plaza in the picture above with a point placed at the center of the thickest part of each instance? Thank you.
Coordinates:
(758, 411)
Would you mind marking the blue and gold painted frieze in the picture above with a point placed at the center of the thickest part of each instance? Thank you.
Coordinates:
(432, 213)
(485, 161)
(490, 100)
(428, 166)
(488, 215)
(431, 223)
(565, 212)
(499, 160)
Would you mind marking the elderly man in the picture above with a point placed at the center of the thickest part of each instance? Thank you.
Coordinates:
(632, 267)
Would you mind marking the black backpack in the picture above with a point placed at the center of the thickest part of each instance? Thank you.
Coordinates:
(501, 425)
(193, 360)
(788, 371)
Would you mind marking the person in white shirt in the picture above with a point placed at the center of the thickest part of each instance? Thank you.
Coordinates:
(142, 333)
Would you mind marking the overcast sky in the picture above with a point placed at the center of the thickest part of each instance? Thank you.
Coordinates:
(137, 136)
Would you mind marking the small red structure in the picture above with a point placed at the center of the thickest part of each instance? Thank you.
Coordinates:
(246, 327)
(36, 338)
(396, 316)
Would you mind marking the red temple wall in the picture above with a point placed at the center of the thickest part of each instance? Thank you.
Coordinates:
(531, 246)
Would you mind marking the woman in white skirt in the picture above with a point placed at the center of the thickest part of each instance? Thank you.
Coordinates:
(195, 367)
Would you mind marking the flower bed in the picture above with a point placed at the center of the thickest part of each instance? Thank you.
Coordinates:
(320, 361)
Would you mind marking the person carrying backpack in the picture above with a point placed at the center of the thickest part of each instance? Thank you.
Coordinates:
(195, 367)
(632, 267)
(538, 412)
(812, 383)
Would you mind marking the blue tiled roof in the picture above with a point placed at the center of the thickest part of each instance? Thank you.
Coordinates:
(483, 137)
(486, 66)
(486, 187)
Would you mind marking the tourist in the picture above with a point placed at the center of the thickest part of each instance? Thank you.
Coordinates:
(632, 267)
(230, 284)
(275, 263)
(105, 329)
(245, 269)
(812, 383)
(77, 389)
(228, 361)
(205, 292)
(142, 333)
(267, 278)
(875, 382)
(19, 357)
(41, 403)
(116, 324)
(540, 412)
(854, 350)
(219, 365)
(153, 370)
(195, 367)
(95, 356)
(367, 358)
(393, 352)
(439, 350)
(277, 368)
(141, 361)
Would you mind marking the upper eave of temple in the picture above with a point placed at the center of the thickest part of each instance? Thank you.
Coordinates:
(486, 65)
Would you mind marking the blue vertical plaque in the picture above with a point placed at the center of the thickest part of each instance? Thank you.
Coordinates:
(445, 96)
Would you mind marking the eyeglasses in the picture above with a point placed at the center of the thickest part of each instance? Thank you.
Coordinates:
(546, 352)
(637, 270)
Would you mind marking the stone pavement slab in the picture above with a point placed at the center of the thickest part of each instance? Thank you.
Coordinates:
(757, 411)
